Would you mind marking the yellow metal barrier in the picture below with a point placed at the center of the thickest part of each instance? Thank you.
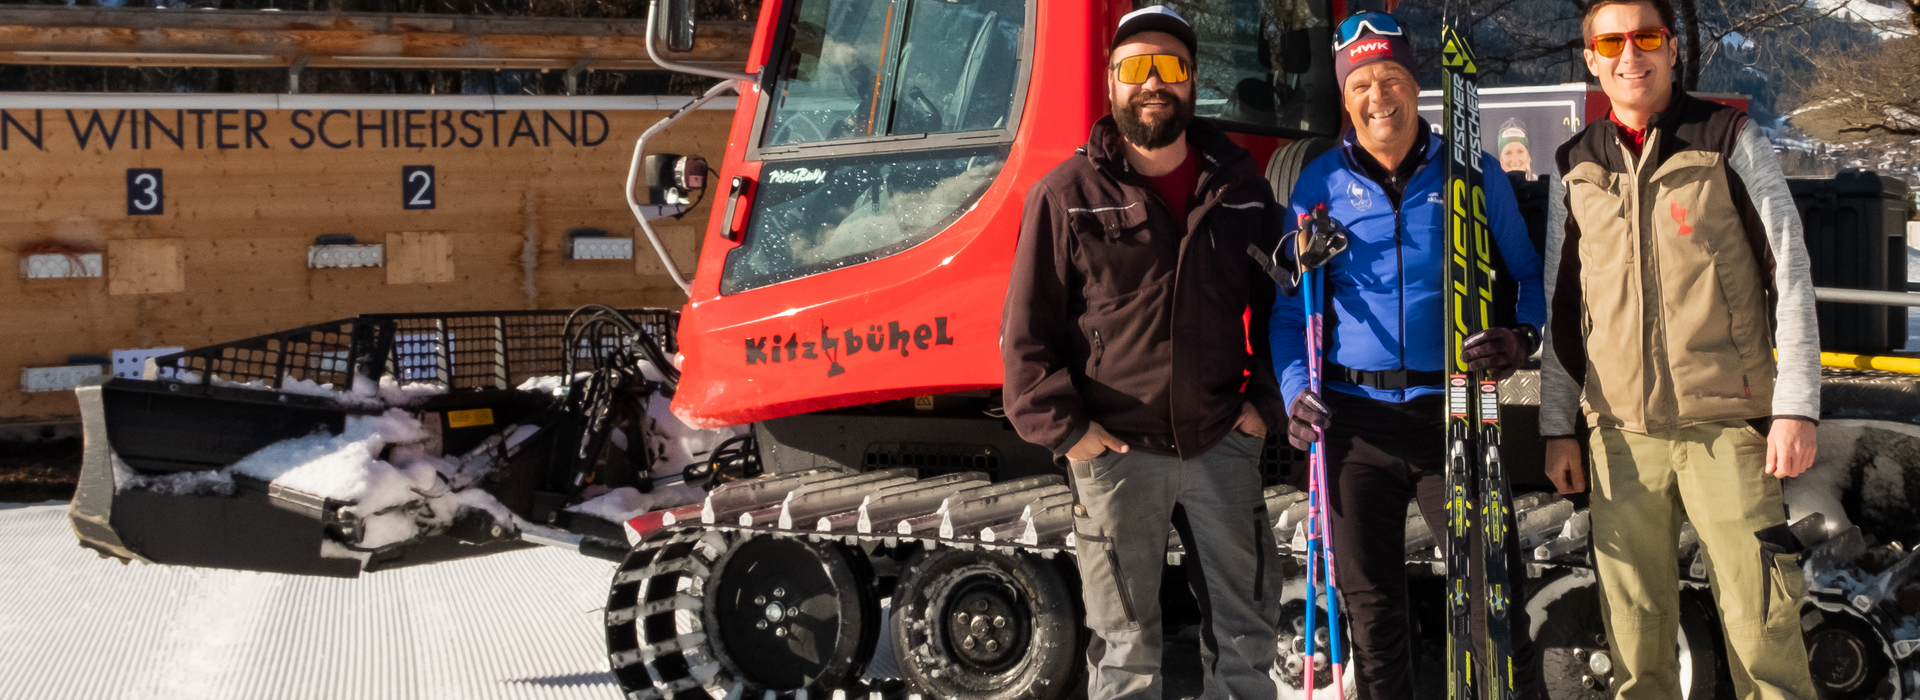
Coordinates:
(1884, 363)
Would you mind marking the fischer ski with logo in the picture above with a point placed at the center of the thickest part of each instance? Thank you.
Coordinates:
(1473, 399)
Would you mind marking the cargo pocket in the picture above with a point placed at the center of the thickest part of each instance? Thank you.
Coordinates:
(1104, 591)
(1782, 586)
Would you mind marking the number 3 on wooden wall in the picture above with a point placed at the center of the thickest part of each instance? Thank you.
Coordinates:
(145, 194)
(416, 186)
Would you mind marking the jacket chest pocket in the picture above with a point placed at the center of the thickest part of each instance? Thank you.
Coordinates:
(1597, 201)
(1598, 204)
(1115, 247)
(1116, 224)
(1682, 188)
(1691, 216)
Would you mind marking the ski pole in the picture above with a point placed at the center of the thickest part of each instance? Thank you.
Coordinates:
(1332, 586)
(1313, 541)
(1317, 464)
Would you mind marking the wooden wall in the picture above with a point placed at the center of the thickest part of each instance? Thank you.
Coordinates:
(247, 182)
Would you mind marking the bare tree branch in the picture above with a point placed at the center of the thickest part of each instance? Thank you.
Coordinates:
(1875, 94)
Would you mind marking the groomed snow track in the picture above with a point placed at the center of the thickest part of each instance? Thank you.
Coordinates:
(516, 626)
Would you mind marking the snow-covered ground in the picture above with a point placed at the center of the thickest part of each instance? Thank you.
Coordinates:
(524, 624)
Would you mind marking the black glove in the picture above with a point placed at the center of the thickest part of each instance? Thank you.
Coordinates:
(1318, 239)
(1498, 351)
(1307, 415)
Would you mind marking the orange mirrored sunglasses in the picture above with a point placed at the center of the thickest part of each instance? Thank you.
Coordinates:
(1610, 45)
(1133, 70)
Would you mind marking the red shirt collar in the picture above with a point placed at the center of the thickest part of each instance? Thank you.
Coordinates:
(1634, 138)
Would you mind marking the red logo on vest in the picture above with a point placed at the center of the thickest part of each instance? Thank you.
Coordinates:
(1368, 48)
(1680, 214)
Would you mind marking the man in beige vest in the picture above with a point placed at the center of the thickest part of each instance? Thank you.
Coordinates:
(1679, 237)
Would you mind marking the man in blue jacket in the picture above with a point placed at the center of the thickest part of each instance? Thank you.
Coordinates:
(1386, 343)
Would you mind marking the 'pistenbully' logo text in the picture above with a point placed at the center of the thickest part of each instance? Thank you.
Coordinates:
(797, 176)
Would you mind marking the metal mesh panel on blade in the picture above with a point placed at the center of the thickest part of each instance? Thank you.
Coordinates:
(500, 350)
(324, 353)
(481, 350)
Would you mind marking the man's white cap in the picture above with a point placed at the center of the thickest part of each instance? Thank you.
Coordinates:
(1156, 18)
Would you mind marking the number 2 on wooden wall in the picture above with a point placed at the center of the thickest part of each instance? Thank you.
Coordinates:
(416, 186)
(145, 194)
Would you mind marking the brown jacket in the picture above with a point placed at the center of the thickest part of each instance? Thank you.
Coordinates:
(1671, 263)
(1122, 313)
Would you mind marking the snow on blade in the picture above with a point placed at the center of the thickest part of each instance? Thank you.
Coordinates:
(302, 387)
(396, 501)
(346, 466)
(177, 484)
(365, 393)
(393, 393)
(550, 385)
(399, 492)
(626, 503)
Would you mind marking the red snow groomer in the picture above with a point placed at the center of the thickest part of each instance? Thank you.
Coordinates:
(818, 431)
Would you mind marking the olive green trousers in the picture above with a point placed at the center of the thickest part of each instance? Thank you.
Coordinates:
(1714, 475)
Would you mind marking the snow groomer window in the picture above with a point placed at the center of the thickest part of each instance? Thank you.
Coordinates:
(866, 69)
(1263, 64)
(885, 120)
(813, 216)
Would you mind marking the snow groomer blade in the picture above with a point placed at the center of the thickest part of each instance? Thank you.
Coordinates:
(164, 495)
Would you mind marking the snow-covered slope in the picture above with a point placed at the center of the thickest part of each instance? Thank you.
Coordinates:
(517, 625)
(1888, 22)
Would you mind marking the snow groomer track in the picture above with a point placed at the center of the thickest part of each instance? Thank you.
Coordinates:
(767, 586)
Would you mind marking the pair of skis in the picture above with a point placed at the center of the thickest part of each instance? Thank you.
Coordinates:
(1473, 402)
(1473, 418)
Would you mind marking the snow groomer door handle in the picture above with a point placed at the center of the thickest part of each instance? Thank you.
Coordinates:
(734, 226)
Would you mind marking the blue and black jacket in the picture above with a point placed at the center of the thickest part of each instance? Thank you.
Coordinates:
(1385, 289)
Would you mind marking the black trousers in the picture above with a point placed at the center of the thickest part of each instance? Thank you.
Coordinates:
(1380, 456)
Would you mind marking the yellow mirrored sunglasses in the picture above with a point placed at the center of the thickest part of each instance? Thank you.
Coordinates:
(1133, 70)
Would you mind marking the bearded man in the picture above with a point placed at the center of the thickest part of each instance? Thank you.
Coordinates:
(1126, 355)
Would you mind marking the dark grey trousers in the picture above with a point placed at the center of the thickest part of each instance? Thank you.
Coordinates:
(1121, 543)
